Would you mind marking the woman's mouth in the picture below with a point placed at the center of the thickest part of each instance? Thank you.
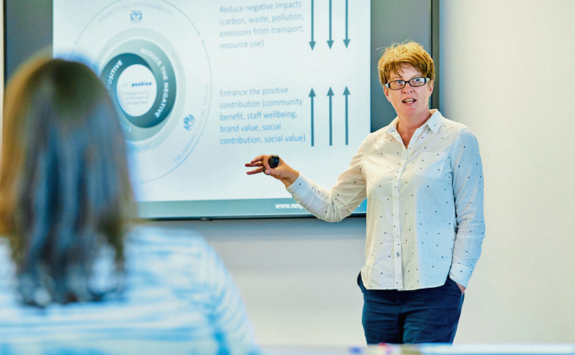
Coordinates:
(409, 101)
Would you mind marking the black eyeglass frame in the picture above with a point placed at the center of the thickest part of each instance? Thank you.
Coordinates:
(408, 82)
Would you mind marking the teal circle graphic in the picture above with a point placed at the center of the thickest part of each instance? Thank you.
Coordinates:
(147, 54)
(159, 80)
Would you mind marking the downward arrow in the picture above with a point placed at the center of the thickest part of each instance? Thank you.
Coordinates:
(330, 42)
(346, 40)
(312, 43)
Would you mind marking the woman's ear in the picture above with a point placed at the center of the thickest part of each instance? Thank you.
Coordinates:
(431, 82)
(386, 93)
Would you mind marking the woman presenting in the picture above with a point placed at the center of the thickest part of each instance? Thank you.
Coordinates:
(423, 180)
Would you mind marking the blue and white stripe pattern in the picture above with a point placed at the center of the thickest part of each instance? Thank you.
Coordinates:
(178, 299)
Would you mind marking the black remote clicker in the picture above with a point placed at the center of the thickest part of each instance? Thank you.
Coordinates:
(274, 161)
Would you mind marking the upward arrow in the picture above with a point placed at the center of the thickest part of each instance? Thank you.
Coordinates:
(346, 40)
(312, 95)
(312, 43)
(330, 42)
(330, 94)
(346, 93)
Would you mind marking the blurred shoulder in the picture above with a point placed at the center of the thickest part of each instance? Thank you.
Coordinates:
(162, 240)
(183, 254)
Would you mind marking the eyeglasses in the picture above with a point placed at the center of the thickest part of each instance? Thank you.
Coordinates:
(400, 84)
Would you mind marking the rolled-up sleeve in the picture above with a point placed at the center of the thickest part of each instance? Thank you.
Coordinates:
(468, 194)
(333, 205)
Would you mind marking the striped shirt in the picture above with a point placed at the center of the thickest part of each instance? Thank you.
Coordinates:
(178, 299)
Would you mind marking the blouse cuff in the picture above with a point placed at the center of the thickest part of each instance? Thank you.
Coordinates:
(460, 274)
(300, 186)
(303, 191)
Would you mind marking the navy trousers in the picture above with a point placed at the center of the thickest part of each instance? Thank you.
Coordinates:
(427, 315)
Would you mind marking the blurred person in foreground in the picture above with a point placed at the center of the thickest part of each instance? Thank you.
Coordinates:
(423, 180)
(74, 275)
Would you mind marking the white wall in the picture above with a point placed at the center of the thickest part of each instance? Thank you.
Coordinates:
(505, 70)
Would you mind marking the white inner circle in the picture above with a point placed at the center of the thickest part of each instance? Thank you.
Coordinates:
(136, 90)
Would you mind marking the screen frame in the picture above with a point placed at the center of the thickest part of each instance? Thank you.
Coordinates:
(17, 17)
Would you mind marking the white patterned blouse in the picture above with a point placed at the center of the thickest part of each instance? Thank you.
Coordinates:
(424, 204)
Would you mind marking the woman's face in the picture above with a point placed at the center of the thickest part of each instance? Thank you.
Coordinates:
(409, 102)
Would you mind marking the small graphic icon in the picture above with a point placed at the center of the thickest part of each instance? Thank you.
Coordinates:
(189, 122)
(136, 16)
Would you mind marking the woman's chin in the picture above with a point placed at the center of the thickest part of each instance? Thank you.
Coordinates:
(412, 112)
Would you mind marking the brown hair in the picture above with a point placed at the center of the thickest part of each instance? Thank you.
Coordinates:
(398, 55)
(64, 185)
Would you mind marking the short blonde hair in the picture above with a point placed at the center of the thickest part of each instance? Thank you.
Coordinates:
(398, 55)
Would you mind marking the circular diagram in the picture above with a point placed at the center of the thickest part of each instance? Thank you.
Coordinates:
(158, 78)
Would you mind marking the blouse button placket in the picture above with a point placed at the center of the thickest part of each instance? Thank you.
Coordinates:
(398, 275)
